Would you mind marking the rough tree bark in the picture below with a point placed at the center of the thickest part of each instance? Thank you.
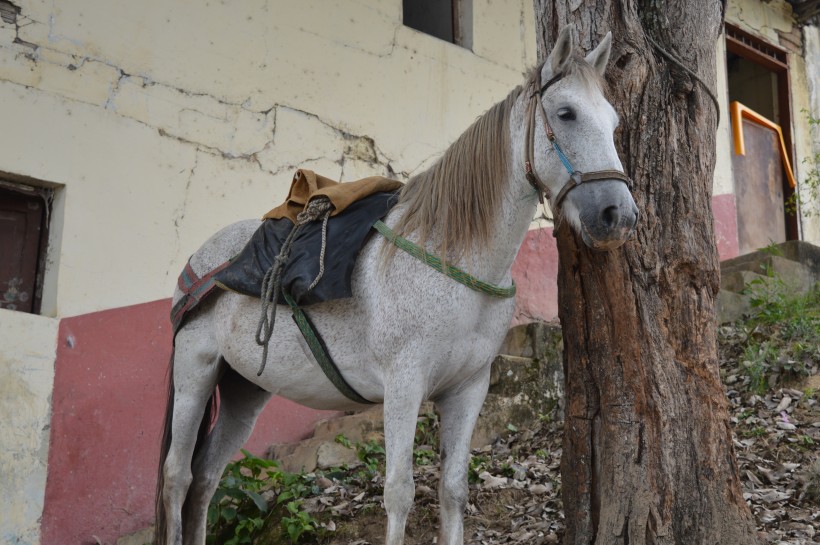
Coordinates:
(648, 456)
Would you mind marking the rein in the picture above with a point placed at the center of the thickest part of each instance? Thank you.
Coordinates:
(576, 177)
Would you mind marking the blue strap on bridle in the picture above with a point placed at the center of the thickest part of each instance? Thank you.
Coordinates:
(576, 178)
(564, 160)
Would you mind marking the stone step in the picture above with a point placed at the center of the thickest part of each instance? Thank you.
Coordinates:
(795, 263)
(793, 250)
(537, 340)
(796, 275)
(737, 280)
(360, 427)
(732, 306)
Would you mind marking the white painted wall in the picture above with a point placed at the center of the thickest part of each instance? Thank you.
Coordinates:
(167, 120)
(27, 353)
(723, 178)
(162, 121)
(811, 47)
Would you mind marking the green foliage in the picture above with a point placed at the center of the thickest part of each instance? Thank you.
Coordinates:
(808, 200)
(241, 503)
(478, 464)
(298, 523)
(425, 442)
(238, 509)
(370, 453)
(758, 431)
(783, 334)
(805, 440)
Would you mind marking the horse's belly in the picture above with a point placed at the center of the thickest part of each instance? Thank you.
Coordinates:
(291, 370)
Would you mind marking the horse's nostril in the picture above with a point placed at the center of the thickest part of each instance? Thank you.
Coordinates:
(610, 217)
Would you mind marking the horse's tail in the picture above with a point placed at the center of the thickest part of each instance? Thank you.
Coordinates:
(160, 527)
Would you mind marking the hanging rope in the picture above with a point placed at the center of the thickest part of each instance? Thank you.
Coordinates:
(677, 62)
(320, 207)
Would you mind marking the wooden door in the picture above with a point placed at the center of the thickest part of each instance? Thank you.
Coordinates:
(761, 217)
(21, 229)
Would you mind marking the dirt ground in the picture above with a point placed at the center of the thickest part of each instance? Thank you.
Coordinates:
(515, 484)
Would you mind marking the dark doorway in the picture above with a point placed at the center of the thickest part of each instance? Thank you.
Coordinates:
(758, 78)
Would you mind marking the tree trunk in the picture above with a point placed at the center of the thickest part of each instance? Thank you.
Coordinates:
(648, 456)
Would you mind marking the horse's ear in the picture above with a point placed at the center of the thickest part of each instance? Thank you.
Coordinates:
(560, 55)
(599, 56)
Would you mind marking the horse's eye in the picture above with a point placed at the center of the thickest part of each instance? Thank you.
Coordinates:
(566, 114)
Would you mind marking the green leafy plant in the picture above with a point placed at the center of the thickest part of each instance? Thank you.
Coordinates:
(757, 359)
(783, 334)
(768, 294)
(806, 440)
(370, 453)
(758, 431)
(425, 442)
(238, 508)
(241, 503)
(808, 199)
(298, 523)
(478, 464)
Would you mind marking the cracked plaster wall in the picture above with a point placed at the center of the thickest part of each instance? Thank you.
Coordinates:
(162, 121)
(26, 375)
(165, 121)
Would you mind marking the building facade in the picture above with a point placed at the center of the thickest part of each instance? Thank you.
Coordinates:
(130, 132)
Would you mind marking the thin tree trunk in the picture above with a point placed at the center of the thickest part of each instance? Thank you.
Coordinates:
(648, 456)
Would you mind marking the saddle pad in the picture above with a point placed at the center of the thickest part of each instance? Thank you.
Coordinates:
(347, 233)
(194, 290)
(307, 185)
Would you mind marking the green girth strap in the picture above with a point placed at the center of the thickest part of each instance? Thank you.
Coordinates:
(319, 350)
(453, 272)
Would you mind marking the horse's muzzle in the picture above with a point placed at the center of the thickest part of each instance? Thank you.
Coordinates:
(607, 213)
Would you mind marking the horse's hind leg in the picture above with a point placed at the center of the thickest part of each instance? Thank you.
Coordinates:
(458, 411)
(196, 368)
(240, 403)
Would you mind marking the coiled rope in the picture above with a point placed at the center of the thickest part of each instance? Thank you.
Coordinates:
(320, 207)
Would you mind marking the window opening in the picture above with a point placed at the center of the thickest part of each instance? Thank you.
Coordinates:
(448, 20)
(24, 215)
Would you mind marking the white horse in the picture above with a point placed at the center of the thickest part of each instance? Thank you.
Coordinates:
(409, 333)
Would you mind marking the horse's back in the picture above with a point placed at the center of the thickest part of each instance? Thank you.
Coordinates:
(220, 247)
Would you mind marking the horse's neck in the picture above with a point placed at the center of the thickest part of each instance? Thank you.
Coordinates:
(518, 207)
(494, 262)
(517, 210)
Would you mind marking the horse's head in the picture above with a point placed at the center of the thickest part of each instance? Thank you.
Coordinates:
(569, 149)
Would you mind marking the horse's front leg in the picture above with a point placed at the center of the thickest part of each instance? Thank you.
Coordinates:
(458, 411)
(403, 397)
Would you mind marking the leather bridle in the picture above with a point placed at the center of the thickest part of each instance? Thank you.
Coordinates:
(576, 177)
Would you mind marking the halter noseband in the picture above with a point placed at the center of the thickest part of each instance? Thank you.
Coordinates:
(576, 177)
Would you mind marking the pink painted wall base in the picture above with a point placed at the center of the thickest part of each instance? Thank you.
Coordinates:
(108, 407)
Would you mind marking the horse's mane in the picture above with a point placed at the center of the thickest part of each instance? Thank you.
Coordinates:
(459, 196)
